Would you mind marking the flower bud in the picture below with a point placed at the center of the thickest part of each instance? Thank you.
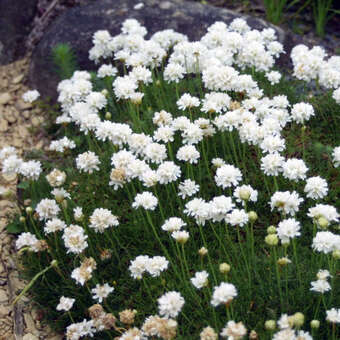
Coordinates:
(64, 204)
(105, 92)
(271, 230)
(22, 219)
(29, 210)
(253, 335)
(244, 194)
(158, 82)
(336, 254)
(315, 324)
(252, 216)
(54, 263)
(224, 268)
(283, 261)
(272, 240)
(108, 115)
(270, 325)
(203, 251)
(323, 222)
(299, 319)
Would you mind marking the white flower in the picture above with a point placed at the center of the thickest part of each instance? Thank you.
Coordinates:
(286, 201)
(7, 151)
(294, 169)
(200, 279)
(53, 225)
(333, 315)
(30, 96)
(180, 236)
(174, 72)
(223, 294)
(107, 70)
(271, 164)
(47, 209)
(326, 242)
(336, 156)
(324, 210)
(301, 112)
(187, 188)
(188, 153)
(31, 170)
(56, 178)
(287, 229)
(323, 274)
(316, 187)
(164, 134)
(87, 162)
(75, 331)
(65, 304)
(78, 213)
(27, 240)
(245, 193)
(146, 200)
(234, 331)
(237, 218)
(168, 172)
(101, 292)
(60, 194)
(170, 304)
(274, 77)
(187, 102)
(102, 219)
(155, 152)
(227, 175)
(320, 286)
(273, 144)
(138, 266)
(156, 265)
(75, 239)
(173, 224)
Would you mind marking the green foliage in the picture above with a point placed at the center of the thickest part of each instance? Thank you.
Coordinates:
(64, 60)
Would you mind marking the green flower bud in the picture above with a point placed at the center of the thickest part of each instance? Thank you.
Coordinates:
(108, 115)
(224, 268)
(203, 251)
(270, 325)
(315, 324)
(336, 254)
(299, 319)
(22, 219)
(29, 210)
(323, 222)
(252, 216)
(271, 230)
(272, 240)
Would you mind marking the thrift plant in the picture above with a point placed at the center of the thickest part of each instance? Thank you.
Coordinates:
(193, 191)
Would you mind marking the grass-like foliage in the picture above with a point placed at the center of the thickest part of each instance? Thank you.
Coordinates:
(64, 59)
(194, 186)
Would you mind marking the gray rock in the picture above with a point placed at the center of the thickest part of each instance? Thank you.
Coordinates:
(77, 26)
(15, 23)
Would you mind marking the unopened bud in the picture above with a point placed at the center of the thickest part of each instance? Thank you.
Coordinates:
(252, 216)
(323, 222)
(108, 115)
(105, 92)
(64, 204)
(271, 230)
(272, 240)
(336, 254)
(224, 268)
(253, 335)
(315, 324)
(203, 251)
(54, 263)
(244, 194)
(270, 325)
(283, 261)
(299, 319)
(29, 210)
(22, 219)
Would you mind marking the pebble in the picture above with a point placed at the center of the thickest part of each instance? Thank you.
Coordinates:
(35, 121)
(4, 311)
(10, 117)
(5, 98)
(3, 125)
(3, 296)
(30, 336)
(21, 105)
(26, 114)
(18, 79)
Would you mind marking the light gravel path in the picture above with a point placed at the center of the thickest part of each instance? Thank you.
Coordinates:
(19, 127)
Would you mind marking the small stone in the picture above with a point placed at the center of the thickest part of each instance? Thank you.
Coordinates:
(2, 269)
(22, 130)
(5, 98)
(26, 114)
(10, 117)
(3, 296)
(21, 105)
(3, 125)
(9, 177)
(35, 121)
(30, 323)
(56, 337)
(18, 79)
(39, 145)
(30, 336)
(4, 311)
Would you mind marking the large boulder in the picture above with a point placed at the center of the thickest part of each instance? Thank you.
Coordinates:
(77, 25)
(16, 18)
